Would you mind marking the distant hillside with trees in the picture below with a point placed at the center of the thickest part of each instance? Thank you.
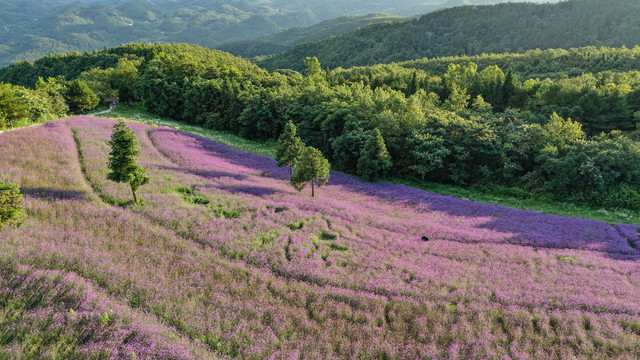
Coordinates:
(287, 39)
(30, 29)
(474, 30)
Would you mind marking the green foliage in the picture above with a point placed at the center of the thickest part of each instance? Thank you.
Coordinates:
(12, 106)
(310, 167)
(286, 39)
(374, 161)
(512, 139)
(474, 30)
(289, 147)
(429, 154)
(11, 212)
(80, 97)
(123, 164)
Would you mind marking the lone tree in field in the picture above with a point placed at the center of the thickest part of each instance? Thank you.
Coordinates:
(375, 160)
(289, 147)
(11, 213)
(311, 167)
(122, 159)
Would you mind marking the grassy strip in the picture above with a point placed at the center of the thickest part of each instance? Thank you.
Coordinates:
(137, 114)
(498, 197)
(495, 195)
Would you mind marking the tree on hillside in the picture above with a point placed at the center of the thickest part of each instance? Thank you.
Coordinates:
(52, 89)
(122, 159)
(12, 106)
(375, 160)
(429, 153)
(80, 97)
(289, 147)
(310, 167)
(11, 213)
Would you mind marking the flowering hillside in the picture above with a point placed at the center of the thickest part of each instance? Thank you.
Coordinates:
(225, 260)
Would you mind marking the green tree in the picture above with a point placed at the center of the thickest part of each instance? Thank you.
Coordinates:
(12, 106)
(289, 147)
(11, 213)
(122, 159)
(80, 97)
(429, 153)
(311, 167)
(52, 89)
(375, 160)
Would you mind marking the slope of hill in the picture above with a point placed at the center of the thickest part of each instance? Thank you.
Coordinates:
(224, 259)
(30, 29)
(286, 39)
(488, 127)
(471, 30)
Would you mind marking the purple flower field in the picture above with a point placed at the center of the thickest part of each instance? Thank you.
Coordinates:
(225, 260)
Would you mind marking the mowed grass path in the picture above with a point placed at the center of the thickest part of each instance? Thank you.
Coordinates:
(224, 259)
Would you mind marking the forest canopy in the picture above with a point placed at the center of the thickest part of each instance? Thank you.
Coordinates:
(476, 30)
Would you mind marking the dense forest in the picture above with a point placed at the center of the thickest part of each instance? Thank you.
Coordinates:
(287, 39)
(475, 30)
(486, 127)
(30, 29)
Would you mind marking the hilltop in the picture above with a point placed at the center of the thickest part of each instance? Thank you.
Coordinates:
(475, 30)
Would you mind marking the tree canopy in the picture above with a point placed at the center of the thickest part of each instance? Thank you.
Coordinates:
(11, 212)
(123, 163)
(310, 168)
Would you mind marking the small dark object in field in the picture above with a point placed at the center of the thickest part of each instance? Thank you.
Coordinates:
(424, 238)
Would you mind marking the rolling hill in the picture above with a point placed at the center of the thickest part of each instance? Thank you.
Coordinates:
(474, 30)
(30, 29)
(225, 260)
(286, 39)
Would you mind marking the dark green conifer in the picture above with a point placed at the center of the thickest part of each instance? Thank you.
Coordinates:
(289, 147)
(311, 167)
(11, 213)
(375, 160)
(122, 159)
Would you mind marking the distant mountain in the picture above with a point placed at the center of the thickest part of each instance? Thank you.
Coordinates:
(471, 30)
(30, 29)
(287, 39)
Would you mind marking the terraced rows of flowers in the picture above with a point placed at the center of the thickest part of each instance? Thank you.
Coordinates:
(224, 259)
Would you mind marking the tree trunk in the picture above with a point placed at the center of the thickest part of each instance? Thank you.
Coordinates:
(313, 189)
(290, 171)
(135, 198)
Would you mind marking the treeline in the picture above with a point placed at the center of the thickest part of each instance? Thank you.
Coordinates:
(476, 30)
(18, 103)
(551, 63)
(601, 101)
(469, 127)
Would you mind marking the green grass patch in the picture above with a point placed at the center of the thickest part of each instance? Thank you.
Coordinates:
(566, 258)
(523, 200)
(190, 197)
(339, 247)
(629, 325)
(219, 210)
(296, 225)
(325, 235)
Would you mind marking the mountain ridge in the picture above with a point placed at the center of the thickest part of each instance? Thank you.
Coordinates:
(474, 30)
